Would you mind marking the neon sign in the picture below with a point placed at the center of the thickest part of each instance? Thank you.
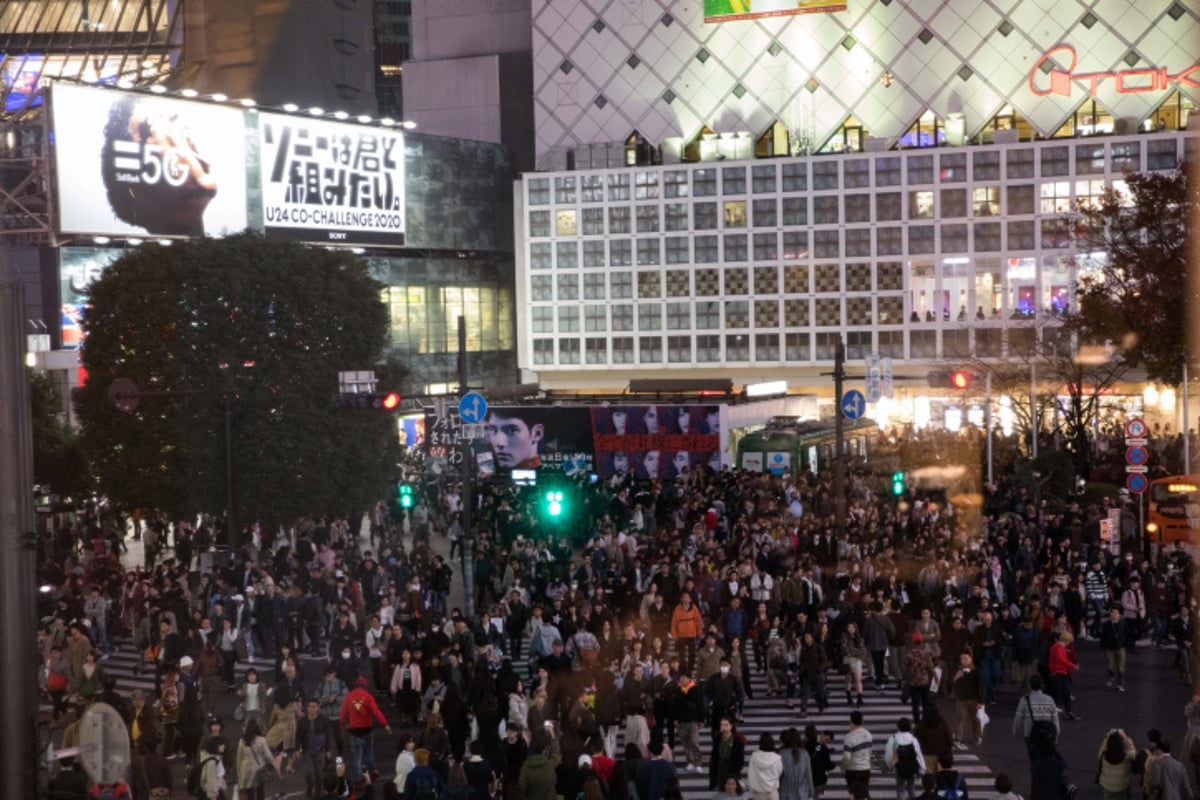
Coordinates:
(1129, 81)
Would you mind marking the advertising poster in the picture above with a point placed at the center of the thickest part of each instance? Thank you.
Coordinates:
(78, 268)
(658, 441)
(21, 74)
(733, 10)
(549, 438)
(140, 165)
(329, 182)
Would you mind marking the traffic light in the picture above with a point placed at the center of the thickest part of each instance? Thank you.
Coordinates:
(367, 401)
(958, 379)
(897, 483)
(406, 495)
(554, 503)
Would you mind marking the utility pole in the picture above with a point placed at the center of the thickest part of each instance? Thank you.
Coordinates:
(468, 474)
(839, 458)
(18, 762)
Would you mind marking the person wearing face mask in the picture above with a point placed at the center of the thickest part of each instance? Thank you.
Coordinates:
(347, 666)
(724, 694)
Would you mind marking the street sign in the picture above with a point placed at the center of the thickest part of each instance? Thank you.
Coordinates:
(854, 405)
(1136, 483)
(472, 407)
(472, 430)
(874, 379)
(1142, 442)
(1135, 428)
(885, 365)
(1131, 468)
(1136, 456)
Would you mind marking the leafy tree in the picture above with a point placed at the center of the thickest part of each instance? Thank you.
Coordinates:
(59, 458)
(1137, 293)
(244, 328)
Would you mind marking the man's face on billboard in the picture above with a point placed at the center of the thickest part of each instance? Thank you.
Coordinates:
(512, 440)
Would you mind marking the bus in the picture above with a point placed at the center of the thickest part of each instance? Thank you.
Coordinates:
(1173, 510)
(792, 444)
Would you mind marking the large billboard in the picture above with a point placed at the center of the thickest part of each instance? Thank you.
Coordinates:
(330, 182)
(140, 165)
(649, 441)
(732, 10)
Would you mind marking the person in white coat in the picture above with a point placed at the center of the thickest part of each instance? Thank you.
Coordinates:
(766, 767)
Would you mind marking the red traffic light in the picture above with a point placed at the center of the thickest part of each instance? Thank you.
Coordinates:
(390, 401)
(960, 379)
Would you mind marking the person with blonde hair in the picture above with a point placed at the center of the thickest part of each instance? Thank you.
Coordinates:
(424, 780)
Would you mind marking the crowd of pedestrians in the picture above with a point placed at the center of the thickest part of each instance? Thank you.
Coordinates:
(608, 644)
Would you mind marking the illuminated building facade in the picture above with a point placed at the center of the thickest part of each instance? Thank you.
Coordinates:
(732, 197)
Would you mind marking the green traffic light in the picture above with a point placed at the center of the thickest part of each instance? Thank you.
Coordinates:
(554, 504)
(406, 495)
(898, 483)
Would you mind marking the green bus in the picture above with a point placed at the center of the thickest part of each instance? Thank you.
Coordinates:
(793, 444)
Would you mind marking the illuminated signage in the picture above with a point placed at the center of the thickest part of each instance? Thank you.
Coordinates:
(733, 10)
(331, 182)
(137, 165)
(1128, 81)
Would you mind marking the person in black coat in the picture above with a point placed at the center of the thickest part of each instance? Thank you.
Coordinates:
(728, 757)
(1048, 776)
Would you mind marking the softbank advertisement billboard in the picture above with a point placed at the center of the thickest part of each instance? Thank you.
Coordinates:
(138, 165)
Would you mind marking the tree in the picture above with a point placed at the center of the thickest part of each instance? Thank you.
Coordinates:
(1136, 293)
(247, 327)
(60, 462)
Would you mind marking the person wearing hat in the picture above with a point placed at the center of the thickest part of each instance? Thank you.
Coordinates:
(918, 672)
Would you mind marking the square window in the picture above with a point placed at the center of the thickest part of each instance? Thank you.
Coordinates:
(565, 222)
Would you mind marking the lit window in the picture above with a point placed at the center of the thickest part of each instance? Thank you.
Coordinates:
(565, 222)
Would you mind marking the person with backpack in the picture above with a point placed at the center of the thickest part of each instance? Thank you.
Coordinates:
(423, 783)
(1036, 718)
(210, 775)
(903, 753)
(950, 782)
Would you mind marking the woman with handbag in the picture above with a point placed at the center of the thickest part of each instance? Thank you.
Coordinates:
(255, 764)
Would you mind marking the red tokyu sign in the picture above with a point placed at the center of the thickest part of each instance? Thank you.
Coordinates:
(1129, 81)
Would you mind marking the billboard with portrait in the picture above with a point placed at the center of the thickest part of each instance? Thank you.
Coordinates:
(140, 165)
(649, 441)
(656, 441)
(732, 10)
(331, 182)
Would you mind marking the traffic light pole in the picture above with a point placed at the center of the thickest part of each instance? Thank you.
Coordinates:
(18, 613)
(468, 498)
(839, 458)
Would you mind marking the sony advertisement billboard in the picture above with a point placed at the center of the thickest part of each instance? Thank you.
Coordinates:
(344, 183)
(141, 165)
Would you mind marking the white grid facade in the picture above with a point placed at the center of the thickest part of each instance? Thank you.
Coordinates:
(916, 255)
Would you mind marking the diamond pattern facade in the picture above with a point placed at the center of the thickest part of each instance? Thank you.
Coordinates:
(884, 63)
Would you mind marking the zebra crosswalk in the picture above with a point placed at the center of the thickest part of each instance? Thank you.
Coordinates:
(764, 714)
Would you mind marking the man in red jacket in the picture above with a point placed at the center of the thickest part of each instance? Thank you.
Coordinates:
(358, 715)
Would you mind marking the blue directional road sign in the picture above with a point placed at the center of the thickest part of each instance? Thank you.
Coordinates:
(472, 408)
(854, 405)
